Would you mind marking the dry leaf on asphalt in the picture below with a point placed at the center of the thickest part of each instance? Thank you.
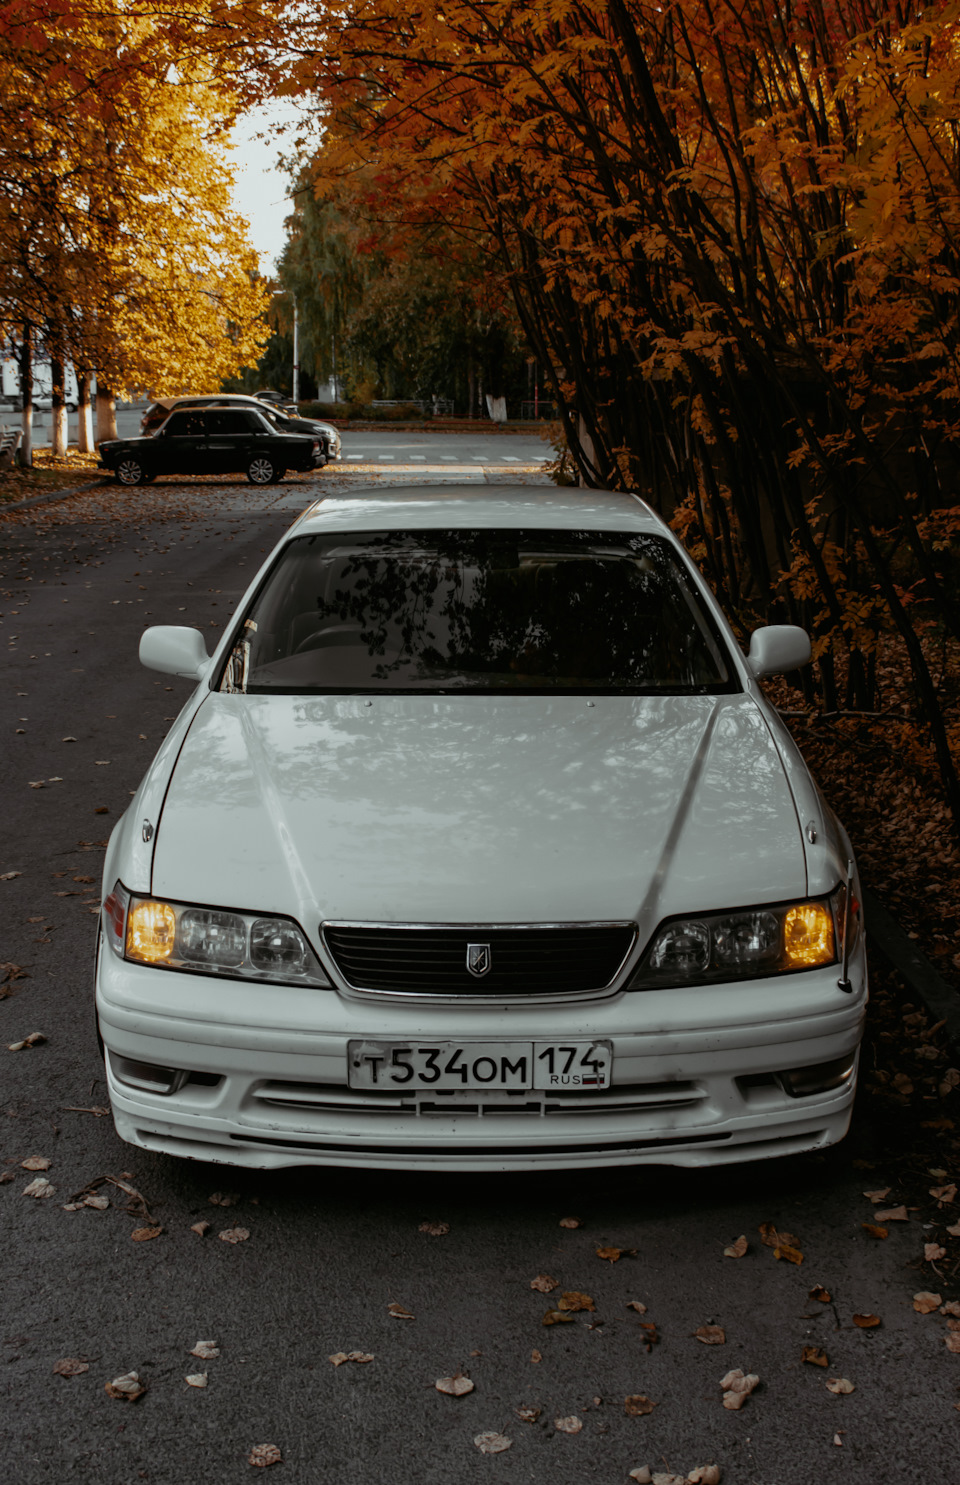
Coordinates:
(737, 1249)
(557, 1317)
(932, 1252)
(814, 1356)
(895, 1214)
(704, 1474)
(262, 1455)
(874, 1230)
(572, 1300)
(952, 1307)
(635, 1304)
(492, 1443)
(8, 876)
(818, 1292)
(234, 1235)
(128, 1387)
(455, 1386)
(399, 1312)
(840, 1386)
(435, 1229)
(196, 1379)
(144, 1234)
(535, 1356)
(39, 1188)
(877, 1196)
(339, 1357)
(570, 1222)
(952, 1342)
(205, 1350)
(544, 1284)
(70, 1366)
(737, 1388)
(771, 1237)
(612, 1255)
(573, 1424)
(942, 1194)
(866, 1322)
(637, 1405)
(33, 1040)
(200, 1228)
(224, 1198)
(711, 1335)
(527, 1415)
(925, 1303)
(36, 1162)
(650, 1336)
(954, 1231)
(642, 1475)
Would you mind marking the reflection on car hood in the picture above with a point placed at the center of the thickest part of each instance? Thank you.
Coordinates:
(479, 808)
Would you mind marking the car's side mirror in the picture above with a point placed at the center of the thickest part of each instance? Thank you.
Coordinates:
(777, 648)
(175, 650)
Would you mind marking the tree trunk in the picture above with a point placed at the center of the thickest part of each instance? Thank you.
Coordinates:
(58, 409)
(26, 393)
(106, 414)
(85, 442)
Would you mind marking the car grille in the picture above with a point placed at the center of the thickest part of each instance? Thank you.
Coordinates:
(337, 1098)
(428, 960)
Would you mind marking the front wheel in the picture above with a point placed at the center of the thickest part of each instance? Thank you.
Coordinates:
(131, 472)
(277, 476)
(262, 471)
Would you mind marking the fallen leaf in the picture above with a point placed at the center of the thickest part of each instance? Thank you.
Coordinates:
(39, 1188)
(840, 1386)
(573, 1301)
(943, 1194)
(200, 1228)
(262, 1455)
(737, 1249)
(492, 1443)
(952, 1307)
(399, 1312)
(205, 1350)
(787, 1251)
(196, 1379)
(128, 1387)
(638, 1406)
(772, 1238)
(704, 1474)
(925, 1303)
(435, 1229)
(737, 1388)
(711, 1335)
(895, 1214)
(527, 1415)
(145, 1234)
(339, 1357)
(224, 1198)
(874, 1230)
(954, 1231)
(234, 1235)
(814, 1356)
(557, 1317)
(642, 1475)
(650, 1337)
(932, 1252)
(866, 1322)
(36, 1162)
(818, 1292)
(69, 1366)
(952, 1342)
(838, 1440)
(635, 1304)
(611, 1255)
(573, 1424)
(544, 1284)
(33, 1040)
(455, 1386)
(535, 1356)
(8, 876)
(6, 1176)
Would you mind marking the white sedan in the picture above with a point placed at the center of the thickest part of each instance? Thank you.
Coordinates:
(478, 846)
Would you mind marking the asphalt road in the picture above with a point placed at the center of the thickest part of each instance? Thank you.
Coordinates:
(328, 1251)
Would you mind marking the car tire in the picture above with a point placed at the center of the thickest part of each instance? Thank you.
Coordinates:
(131, 472)
(261, 470)
(277, 476)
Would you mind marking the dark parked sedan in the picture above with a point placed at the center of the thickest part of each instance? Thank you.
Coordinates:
(158, 412)
(211, 441)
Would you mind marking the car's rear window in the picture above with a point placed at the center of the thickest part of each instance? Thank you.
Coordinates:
(487, 610)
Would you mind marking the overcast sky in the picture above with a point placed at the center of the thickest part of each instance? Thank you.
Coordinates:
(261, 185)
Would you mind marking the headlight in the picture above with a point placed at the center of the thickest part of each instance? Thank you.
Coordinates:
(749, 943)
(212, 941)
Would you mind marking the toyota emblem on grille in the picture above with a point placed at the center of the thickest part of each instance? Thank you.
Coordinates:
(479, 960)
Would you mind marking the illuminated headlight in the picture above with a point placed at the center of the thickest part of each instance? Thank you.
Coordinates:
(243, 946)
(717, 947)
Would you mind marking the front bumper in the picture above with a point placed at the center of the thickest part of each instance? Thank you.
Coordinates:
(694, 1075)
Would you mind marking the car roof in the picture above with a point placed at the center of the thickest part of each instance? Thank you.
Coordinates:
(202, 399)
(527, 506)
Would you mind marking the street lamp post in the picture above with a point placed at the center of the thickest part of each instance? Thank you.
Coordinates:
(296, 342)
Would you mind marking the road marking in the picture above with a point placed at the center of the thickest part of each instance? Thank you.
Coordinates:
(354, 456)
(418, 458)
(510, 459)
(386, 458)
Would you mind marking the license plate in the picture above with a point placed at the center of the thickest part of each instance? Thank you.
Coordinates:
(443, 1066)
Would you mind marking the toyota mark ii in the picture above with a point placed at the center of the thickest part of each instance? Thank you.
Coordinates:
(478, 846)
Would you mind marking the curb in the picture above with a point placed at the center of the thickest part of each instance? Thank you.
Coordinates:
(927, 984)
(54, 495)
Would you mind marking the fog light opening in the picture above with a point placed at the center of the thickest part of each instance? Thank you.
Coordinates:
(822, 1077)
(148, 1077)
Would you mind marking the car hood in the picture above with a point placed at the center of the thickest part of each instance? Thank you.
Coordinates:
(479, 809)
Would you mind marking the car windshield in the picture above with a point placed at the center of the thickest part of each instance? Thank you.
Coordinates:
(486, 610)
